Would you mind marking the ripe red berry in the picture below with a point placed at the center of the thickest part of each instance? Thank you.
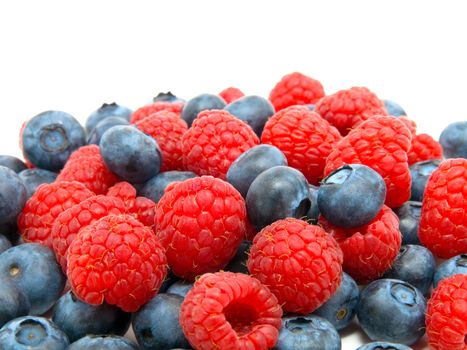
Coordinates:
(410, 124)
(146, 111)
(231, 94)
(424, 147)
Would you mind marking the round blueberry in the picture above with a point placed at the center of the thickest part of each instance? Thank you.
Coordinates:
(12, 195)
(155, 187)
(251, 163)
(420, 172)
(238, 262)
(95, 135)
(105, 111)
(382, 345)
(393, 108)
(4, 243)
(13, 163)
(32, 178)
(180, 288)
(170, 279)
(453, 139)
(167, 97)
(311, 107)
(455, 265)
(351, 196)
(103, 342)
(13, 302)
(313, 212)
(392, 310)
(409, 219)
(200, 103)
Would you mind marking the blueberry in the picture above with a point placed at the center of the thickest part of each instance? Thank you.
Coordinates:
(307, 332)
(12, 195)
(180, 288)
(453, 139)
(77, 318)
(251, 163)
(33, 268)
(382, 345)
(10, 231)
(13, 163)
(200, 103)
(170, 279)
(13, 302)
(455, 265)
(409, 219)
(393, 108)
(311, 107)
(105, 111)
(313, 212)
(32, 178)
(155, 187)
(253, 110)
(156, 324)
(351, 196)
(341, 308)
(103, 342)
(277, 193)
(95, 135)
(4, 243)
(238, 262)
(415, 265)
(392, 310)
(420, 172)
(130, 154)
(167, 97)
(32, 333)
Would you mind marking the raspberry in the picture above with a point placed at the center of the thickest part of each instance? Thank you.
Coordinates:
(347, 108)
(228, 311)
(446, 316)
(382, 144)
(295, 89)
(67, 225)
(443, 224)
(117, 260)
(46, 204)
(167, 129)
(410, 124)
(146, 111)
(299, 262)
(369, 250)
(231, 94)
(424, 147)
(86, 165)
(304, 137)
(201, 223)
(125, 191)
(215, 139)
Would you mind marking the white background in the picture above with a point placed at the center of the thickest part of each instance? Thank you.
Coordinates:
(75, 55)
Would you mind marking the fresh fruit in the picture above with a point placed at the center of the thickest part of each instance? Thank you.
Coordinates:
(409, 219)
(155, 187)
(420, 172)
(453, 139)
(13, 195)
(200, 103)
(107, 110)
(238, 262)
(146, 111)
(313, 213)
(13, 302)
(13, 163)
(94, 137)
(383, 345)
(393, 108)
(167, 97)
(231, 94)
(424, 147)
(32, 178)
(454, 266)
(103, 342)
(4, 243)
(180, 288)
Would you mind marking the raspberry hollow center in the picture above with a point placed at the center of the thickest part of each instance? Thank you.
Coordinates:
(242, 316)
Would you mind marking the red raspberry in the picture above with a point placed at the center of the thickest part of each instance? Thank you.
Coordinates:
(230, 311)
(369, 250)
(443, 225)
(299, 262)
(125, 191)
(446, 316)
(231, 94)
(410, 124)
(167, 129)
(45, 205)
(424, 147)
(118, 260)
(295, 89)
(216, 138)
(67, 225)
(304, 137)
(201, 223)
(86, 165)
(347, 108)
(382, 144)
(146, 111)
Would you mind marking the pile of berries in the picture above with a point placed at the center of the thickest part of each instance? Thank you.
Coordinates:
(235, 222)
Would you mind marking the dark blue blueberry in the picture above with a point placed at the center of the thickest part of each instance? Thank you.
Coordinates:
(409, 219)
(33, 268)
(105, 111)
(4, 243)
(169, 279)
(453, 139)
(341, 308)
(455, 265)
(200, 103)
(167, 97)
(277, 193)
(95, 135)
(32, 333)
(103, 342)
(50, 137)
(392, 310)
(307, 332)
(394, 108)
(155, 187)
(313, 212)
(251, 163)
(131, 154)
(32, 178)
(420, 172)
(180, 288)
(156, 324)
(238, 262)
(12, 195)
(311, 107)
(10, 231)
(382, 345)
(415, 265)
(77, 318)
(254, 110)
(13, 163)
(351, 196)
(13, 302)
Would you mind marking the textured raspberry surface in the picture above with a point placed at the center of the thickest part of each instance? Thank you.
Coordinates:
(382, 144)
(86, 165)
(304, 137)
(424, 147)
(146, 111)
(410, 124)
(118, 260)
(295, 89)
(443, 225)
(167, 128)
(125, 191)
(347, 108)
(67, 225)
(230, 311)
(201, 223)
(46, 204)
(446, 316)
(215, 139)
(369, 250)
(231, 94)
(299, 262)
